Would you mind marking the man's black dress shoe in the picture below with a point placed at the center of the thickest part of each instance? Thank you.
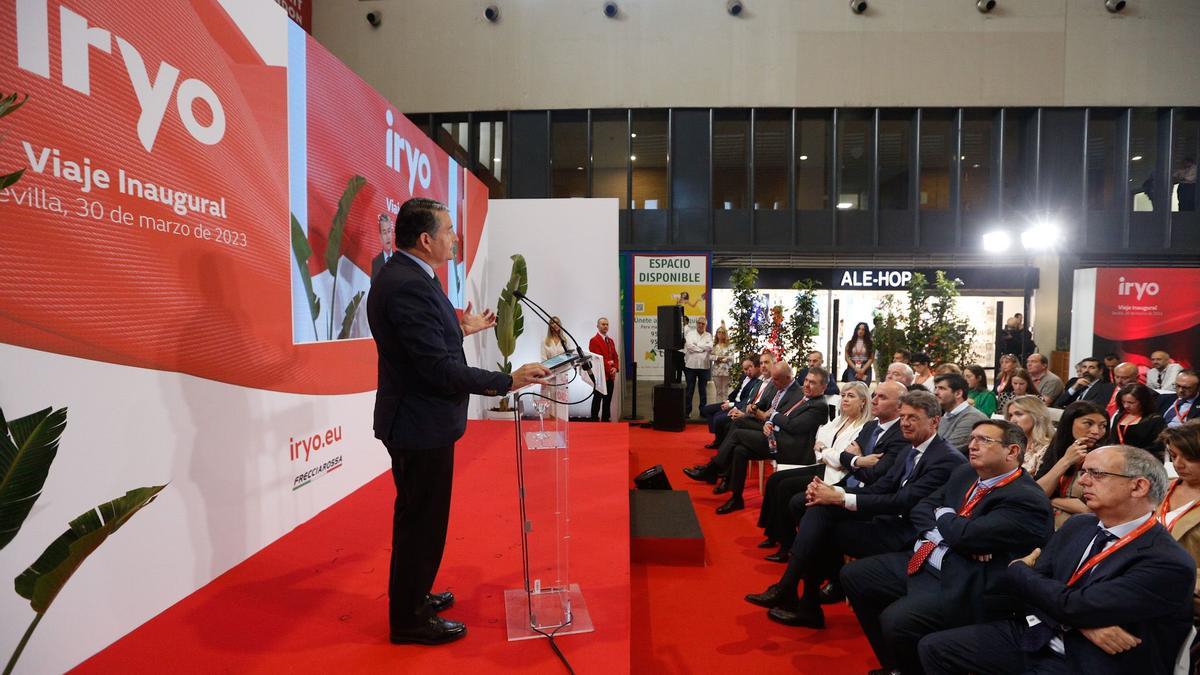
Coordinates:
(832, 593)
(432, 631)
(734, 504)
(780, 556)
(772, 597)
(768, 543)
(711, 446)
(440, 602)
(883, 671)
(706, 473)
(722, 486)
(803, 614)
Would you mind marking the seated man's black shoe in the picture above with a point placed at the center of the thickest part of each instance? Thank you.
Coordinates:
(803, 614)
(780, 556)
(722, 486)
(768, 543)
(706, 473)
(734, 504)
(433, 631)
(440, 602)
(832, 593)
(772, 597)
(711, 446)
(883, 671)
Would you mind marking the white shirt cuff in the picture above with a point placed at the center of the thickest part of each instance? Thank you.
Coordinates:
(851, 499)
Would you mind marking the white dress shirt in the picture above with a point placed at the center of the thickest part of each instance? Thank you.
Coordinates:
(1163, 380)
(696, 349)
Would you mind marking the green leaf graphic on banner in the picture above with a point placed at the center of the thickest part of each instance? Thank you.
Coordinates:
(28, 446)
(351, 311)
(302, 251)
(9, 105)
(333, 248)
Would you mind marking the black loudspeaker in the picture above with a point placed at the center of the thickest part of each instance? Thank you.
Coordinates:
(668, 407)
(654, 478)
(672, 366)
(670, 327)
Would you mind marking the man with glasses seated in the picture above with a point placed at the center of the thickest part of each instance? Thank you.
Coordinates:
(1111, 592)
(988, 513)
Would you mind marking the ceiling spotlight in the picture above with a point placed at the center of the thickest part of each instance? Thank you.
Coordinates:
(375, 18)
(634, 135)
(1135, 158)
(845, 205)
(633, 158)
(858, 6)
(985, 6)
(492, 13)
(1114, 6)
(803, 158)
(734, 7)
(610, 10)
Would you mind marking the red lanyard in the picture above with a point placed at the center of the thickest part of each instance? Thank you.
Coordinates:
(1122, 542)
(1122, 428)
(1064, 485)
(1164, 508)
(978, 492)
(798, 404)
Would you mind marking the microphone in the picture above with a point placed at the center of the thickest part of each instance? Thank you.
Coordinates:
(585, 363)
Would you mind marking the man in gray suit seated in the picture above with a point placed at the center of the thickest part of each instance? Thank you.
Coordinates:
(958, 416)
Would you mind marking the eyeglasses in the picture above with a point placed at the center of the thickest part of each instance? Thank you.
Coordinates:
(1097, 475)
(975, 438)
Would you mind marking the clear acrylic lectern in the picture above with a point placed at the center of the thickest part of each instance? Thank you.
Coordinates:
(549, 604)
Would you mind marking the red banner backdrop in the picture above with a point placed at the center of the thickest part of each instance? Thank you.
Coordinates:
(1140, 310)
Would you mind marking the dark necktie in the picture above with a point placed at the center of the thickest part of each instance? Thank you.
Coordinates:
(910, 465)
(852, 481)
(1036, 637)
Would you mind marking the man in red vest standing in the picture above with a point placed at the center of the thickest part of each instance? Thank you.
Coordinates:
(603, 345)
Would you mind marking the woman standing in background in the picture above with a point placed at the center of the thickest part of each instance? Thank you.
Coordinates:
(860, 355)
(722, 359)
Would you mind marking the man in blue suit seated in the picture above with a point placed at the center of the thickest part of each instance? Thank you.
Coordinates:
(861, 521)
(742, 393)
(988, 513)
(1111, 592)
(421, 410)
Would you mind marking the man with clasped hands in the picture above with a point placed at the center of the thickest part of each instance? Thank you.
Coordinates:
(421, 410)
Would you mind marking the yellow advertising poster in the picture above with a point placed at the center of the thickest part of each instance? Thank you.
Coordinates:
(664, 279)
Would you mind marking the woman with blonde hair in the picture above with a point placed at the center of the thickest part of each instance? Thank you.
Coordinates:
(1030, 414)
(722, 359)
(778, 523)
(552, 346)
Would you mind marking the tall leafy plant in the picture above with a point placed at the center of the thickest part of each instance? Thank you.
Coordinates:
(887, 332)
(746, 329)
(950, 335)
(333, 257)
(510, 322)
(28, 445)
(42, 581)
(803, 324)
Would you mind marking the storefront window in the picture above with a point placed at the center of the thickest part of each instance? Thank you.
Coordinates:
(1184, 152)
(937, 151)
(854, 159)
(812, 160)
(649, 159)
(895, 129)
(772, 146)
(976, 159)
(568, 159)
(1103, 166)
(731, 133)
(1143, 159)
(610, 155)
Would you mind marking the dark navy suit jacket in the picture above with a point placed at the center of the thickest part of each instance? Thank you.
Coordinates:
(424, 379)
(1007, 524)
(1145, 587)
(887, 497)
(890, 443)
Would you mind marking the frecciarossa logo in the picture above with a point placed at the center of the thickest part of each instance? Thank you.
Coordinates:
(80, 40)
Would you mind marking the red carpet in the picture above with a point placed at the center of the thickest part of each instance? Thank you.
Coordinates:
(689, 619)
(315, 601)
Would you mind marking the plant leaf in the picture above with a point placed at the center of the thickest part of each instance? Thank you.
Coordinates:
(333, 248)
(9, 104)
(10, 178)
(25, 458)
(41, 582)
(351, 311)
(303, 251)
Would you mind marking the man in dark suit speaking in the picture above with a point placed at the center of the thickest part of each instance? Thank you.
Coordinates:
(421, 410)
